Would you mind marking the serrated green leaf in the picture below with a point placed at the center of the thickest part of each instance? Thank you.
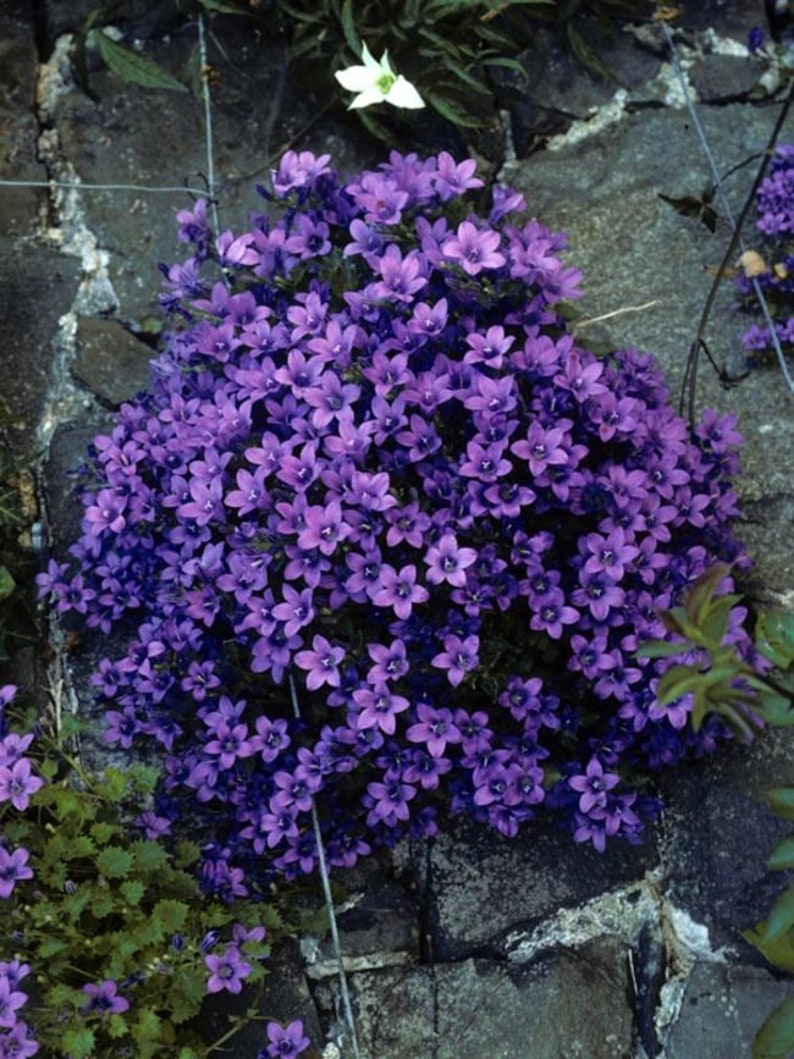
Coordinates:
(116, 1027)
(133, 68)
(78, 1043)
(188, 987)
(781, 918)
(104, 832)
(144, 777)
(103, 904)
(148, 1027)
(114, 862)
(172, 915)
(775, 1039)
(149, 856)
(782, 856)
(132, 890)
(187, 854)
(81, 846)
(779, 952)
(51, 947)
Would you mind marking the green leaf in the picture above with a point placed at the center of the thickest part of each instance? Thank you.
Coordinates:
(779, 952)
(781, 801)
(187, 853)
(103, 832)
(133, 68)
(149, 856)
(660, 649)
(775, 1039)
(782, 856)
(187, 992)
(78, 1043)
(148, 1027)
(7, 583)
(774, 637)
(701, 593)
(450, 112)
(51, 947)
(221, 8)
(171, 914)
(116, 1026)
(781, 918)
(132, 890)
(349, 28)
(144, 777)
(114, 862)
(717, 617)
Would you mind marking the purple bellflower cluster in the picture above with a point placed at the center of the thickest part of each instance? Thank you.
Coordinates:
(775, 222)
(389, 537)
(18, 781)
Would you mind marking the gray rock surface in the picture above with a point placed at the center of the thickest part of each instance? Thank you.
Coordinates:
(472, 945)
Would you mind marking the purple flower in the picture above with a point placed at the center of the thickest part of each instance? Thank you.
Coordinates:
(321, 662)
(17, 783)
(448, 562)
(13, 868)
(458, 658)
(399, 590)
(103, 999)
(593, 785)
(474, 249)
(285, 1042)
(228, 971)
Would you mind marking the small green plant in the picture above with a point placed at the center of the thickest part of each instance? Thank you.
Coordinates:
(107, 928)
(746, 697)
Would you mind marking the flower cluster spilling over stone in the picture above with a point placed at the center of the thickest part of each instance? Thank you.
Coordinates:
(772, 264)
(389, 535)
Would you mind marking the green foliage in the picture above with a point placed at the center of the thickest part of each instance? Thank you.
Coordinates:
(720, 681)
(105, 904)
(724, 684)
(446, 48)
(774, 936)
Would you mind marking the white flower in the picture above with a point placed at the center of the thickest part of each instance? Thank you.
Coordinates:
(376, 82)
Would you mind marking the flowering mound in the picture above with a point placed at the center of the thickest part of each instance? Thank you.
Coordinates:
(774, 269)
(389, 537)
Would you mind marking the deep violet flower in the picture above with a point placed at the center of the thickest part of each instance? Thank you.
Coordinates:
(389, 537)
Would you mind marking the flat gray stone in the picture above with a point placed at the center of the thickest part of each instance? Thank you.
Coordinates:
(722, 1010)
(568, 1005)
(720, 833)
(482, 885)
(481, 1007)
(113, 364)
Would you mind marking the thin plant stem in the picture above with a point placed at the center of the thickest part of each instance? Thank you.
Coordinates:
(208, 136)
(329, 903)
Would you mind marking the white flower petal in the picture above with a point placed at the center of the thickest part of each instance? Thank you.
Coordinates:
(367, 57)
(403, 94)
(356, 78)
(385, 65)
(367, 98)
